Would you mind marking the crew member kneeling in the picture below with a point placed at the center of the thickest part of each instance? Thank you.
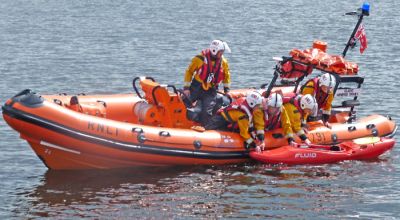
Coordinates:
(298, 108)
(270, 116)
(238, 113)
(322, 90)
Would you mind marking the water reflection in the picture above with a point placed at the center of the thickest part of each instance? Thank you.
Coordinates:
(244, 190)
(90, 193)
(284, 192)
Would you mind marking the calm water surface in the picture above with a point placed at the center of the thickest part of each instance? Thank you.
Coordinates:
(99, 46)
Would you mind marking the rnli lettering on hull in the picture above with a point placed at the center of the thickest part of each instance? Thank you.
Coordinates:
(103, 129)
(305, 155)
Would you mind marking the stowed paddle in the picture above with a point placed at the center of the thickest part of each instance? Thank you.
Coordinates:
(358, 141)
(317, 146)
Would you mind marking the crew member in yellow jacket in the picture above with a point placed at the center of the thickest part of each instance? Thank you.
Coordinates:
(239, 115)
(322, 89)
(203, 76)
(271, 115)
(298, 108)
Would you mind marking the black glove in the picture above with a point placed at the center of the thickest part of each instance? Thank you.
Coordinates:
(303, 137)
(290, 140)
(325, 118)
(186, 98)
(312, 118)
(260, 137)
(251, 145)
(226, 90)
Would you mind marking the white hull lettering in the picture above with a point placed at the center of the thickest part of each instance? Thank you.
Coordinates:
(305, 155)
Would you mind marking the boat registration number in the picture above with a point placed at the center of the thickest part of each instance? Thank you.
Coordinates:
(318, 137)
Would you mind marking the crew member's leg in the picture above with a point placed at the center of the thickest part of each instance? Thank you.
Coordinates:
(195, 91)
(217, 122)
(208, 101)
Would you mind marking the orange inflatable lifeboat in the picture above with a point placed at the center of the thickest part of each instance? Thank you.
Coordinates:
(358, 149)
(151, 129)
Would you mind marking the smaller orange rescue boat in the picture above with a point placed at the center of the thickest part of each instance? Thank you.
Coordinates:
(359, 149)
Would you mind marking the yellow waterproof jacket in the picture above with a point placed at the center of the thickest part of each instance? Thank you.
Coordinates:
(239, 117)
(195, 66)
(309, 89)
(259, 122)
(295, 119)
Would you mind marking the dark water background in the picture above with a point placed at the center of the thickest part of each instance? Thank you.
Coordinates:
(99, 46)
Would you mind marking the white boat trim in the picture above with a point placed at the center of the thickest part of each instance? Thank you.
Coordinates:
(47, 144)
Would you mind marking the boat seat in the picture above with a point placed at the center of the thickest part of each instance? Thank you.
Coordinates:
(148, 87)
(96, 108)
(165, 108)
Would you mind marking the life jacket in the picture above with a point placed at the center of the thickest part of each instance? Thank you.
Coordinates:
(320, 96)
(294, 99)
(209, 73)
(272, 122)
(241, 105)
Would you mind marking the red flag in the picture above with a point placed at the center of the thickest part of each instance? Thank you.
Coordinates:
(362, 37)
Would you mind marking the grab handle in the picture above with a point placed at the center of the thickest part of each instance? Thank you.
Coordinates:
(162, 86)
(141, 78)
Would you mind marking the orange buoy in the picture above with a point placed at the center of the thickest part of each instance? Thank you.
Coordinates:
(322, 45)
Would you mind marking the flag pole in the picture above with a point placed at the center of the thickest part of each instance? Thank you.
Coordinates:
(364, 11)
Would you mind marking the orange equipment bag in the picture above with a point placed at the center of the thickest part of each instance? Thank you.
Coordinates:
(318, 58)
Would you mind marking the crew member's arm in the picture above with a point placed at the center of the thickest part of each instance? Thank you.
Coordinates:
(286, 122)
(298, 129)
(227, 79)
(295, 121)
(243, 122)
(259, 124)
(196, 64)
(287, 125)
(308, 88)
(326, 109)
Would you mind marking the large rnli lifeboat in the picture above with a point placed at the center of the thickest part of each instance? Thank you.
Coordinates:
(152, 129)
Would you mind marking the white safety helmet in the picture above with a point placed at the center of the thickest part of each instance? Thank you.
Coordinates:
(218, 45)
(327, 80)
(253, 98)
(274, 100)
(307, 102)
